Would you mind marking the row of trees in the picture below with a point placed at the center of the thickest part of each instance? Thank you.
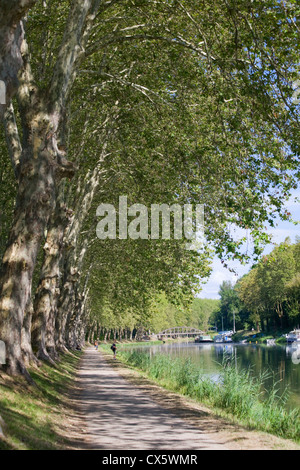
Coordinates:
(165, 102)
(161, 314)
(268, 296)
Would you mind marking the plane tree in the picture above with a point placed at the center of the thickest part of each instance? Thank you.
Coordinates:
(224, 70)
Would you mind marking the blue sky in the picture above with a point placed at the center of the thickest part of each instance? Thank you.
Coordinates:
(279, 233)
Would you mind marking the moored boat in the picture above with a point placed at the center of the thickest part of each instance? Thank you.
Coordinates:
(203, 339)
(293, 336)
(222, 339)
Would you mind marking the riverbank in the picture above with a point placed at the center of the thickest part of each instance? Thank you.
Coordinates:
(237, 395)
(248, 336)
(261, 337)
(227, 431)
(85, 389)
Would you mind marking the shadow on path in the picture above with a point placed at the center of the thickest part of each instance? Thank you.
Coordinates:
(120, 416)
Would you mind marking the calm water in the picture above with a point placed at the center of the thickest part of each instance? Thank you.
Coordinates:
(282, 362)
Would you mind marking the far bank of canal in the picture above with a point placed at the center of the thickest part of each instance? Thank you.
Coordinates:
(279, 363)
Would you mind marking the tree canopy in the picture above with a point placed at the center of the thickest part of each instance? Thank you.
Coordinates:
(164, 102)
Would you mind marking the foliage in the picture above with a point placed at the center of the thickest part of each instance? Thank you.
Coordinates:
(201, 313)
(268, 295)
(158, 313)
(167, 102)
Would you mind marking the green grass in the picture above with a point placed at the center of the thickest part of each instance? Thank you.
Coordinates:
(237, 394)
(36, 416)
(261, 337)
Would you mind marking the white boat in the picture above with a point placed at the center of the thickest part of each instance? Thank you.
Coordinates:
(271, 342)
(222, 339)
(293, 336)
(203, 339)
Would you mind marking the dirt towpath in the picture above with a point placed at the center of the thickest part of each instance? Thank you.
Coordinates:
(121, 410)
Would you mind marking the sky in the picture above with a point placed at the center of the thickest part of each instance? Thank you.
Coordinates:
(279, 233)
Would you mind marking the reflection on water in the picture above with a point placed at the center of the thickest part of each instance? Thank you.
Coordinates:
(281, 362)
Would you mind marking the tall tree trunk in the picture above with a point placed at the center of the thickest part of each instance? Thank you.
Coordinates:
(77, 308)
(35, 202)
(26, 347)
(41, 163)
(45, 303)
(11, 37)
(66, 305)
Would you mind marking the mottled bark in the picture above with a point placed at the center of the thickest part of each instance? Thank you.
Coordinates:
(73, 320)
(35, 202)
(11, 37)
(12, 139)
(76, 322)
(45, 302)
(42, 164)
(28, 355)
(66, 306)
(91, 332)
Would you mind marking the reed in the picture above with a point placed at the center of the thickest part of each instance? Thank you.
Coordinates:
(236, 392)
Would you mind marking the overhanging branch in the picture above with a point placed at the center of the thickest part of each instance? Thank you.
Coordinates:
(114, 39)
(80, 20)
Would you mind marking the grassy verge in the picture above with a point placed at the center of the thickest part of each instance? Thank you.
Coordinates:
(37, 417)
(261, 337)
(237, 394)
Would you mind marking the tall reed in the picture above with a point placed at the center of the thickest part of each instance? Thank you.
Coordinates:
(236, 391)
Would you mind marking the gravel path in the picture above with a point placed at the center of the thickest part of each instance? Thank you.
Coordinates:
(118, 409)
(121, 416)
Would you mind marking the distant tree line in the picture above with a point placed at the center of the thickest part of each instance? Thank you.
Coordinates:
(268, 296)
(159, 315)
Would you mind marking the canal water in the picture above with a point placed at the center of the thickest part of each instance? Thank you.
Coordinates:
(280, 363)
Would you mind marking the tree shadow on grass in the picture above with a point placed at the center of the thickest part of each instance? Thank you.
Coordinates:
(40, 417)
(25, 433)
